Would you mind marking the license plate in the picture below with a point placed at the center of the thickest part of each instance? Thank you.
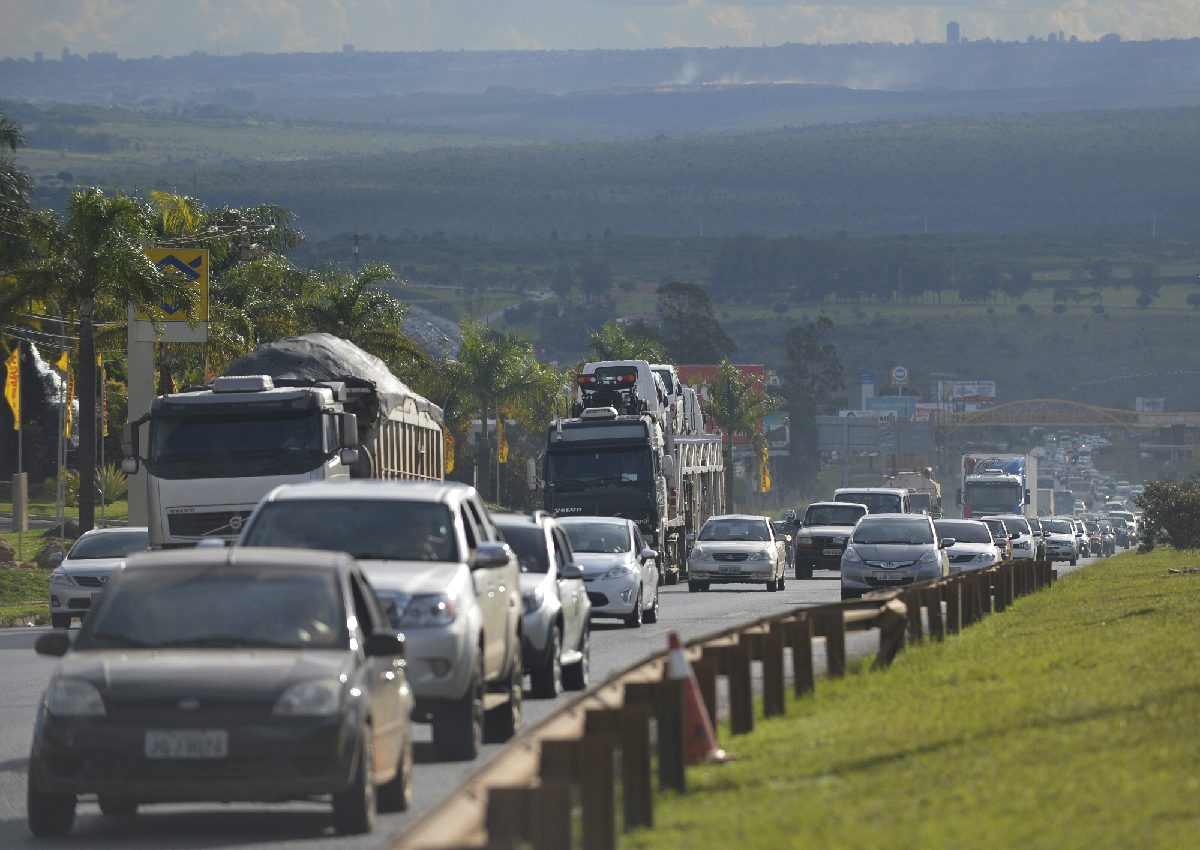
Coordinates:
(887, 577)
(730, 571)
(187, 743)
(832, 551)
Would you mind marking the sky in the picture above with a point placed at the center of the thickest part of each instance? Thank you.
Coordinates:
(138, 28)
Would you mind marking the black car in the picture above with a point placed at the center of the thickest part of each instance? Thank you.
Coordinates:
(226, 675)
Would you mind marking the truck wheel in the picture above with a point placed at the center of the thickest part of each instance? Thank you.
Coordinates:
(547, 679)
(118, 807)
(694, 586)
(48, 814)
(503, 722)
(803, 573)
(354, 808)
(577, 676)
(458, 724)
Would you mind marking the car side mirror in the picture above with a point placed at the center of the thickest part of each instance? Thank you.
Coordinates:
(570, 571)
(1013, 536)
(54, 644)
(384, 643)
(947, 542)
(491, 555)
(647, 554)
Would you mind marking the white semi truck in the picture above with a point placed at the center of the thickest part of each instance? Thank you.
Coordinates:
(998, 484)
(307, 408)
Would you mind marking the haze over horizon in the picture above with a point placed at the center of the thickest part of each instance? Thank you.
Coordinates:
(231, 27)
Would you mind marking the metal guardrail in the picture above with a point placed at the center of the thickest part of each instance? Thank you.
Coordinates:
(555, 786)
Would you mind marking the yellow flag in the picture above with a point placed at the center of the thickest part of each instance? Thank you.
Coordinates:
(62, 362)
(69, 422)
(764, 471)
(12, 386)
(99, 360)
(449, 451)
(501, 440)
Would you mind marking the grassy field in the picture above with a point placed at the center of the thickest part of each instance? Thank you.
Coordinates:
(1067, 722)
(23, 597)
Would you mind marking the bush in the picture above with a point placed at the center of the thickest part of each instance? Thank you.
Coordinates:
(1059, 309)
(111, 482)
(1171, 514)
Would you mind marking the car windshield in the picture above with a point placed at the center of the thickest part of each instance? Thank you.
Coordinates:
(894, 531)
(599, 537)
(529, 542)
(368, 529)
(1057, 527)
(1017, 525)
(877, 503)
(735, 530)
(833, 515)
(108, 544)
(225, 606)
(997, 527)
(963, 531)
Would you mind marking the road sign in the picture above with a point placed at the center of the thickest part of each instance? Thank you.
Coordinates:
(192, 263)
(900, 376)
(868, 377)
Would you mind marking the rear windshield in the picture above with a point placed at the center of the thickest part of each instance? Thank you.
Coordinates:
(369, 529)
(877, 503)
(964, 532)
(833, 515)
(735, 529)
(529, 542)
(898, 531)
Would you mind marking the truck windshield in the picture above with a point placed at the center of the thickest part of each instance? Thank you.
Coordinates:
(579, 470)
(230, 445)
(833, 515)
(921, 502)
(368, 529)
(877, 503)
(995, 497)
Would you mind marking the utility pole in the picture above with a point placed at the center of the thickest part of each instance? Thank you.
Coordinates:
(356, 252)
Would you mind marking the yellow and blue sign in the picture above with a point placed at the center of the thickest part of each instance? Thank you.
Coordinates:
(192, 263)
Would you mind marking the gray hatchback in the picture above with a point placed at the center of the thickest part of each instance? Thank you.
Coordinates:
(890, 550)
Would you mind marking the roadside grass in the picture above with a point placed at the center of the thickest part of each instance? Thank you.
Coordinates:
(23, 596)
(1067, 722)
(46, 509)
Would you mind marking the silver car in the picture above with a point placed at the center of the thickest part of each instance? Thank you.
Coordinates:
(973, 549)
(83, 574)
(737, 548)
(557, 640)
(890, 550)
(1024, 547)
(619, 570)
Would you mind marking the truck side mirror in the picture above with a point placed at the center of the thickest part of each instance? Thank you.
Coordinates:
(348, 456)
(349, 430)
(958, 495)
(668, 464)
(129, 445)
(130, 465)
(1027, 499)
(531, 474)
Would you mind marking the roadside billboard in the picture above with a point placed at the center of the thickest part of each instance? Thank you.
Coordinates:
(980, 392)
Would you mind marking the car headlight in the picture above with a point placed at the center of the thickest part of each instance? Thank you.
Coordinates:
(984, 558)
(314, 698)
(430, 609)
(852, 556)
(61, 578)
(74, 698)
(533, 600)
(804, 540)
(1021, 544)
(699, 553)
(619, 571)
(761, 555)
(930, 556)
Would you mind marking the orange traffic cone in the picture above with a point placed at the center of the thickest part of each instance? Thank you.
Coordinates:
(699, 737)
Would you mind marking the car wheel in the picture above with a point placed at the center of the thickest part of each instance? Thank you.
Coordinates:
(48, 814)
(354, 808)
(782, 580)
(694, 586)
(671, 576)
(651, 614)
(458, 724)
(803, 573)
(1073, 561)
(547, 679)
(705, 585)
(504, 722)
(848, 593)
(772, 585)
(634, 618)
(396, 796)
(577, 676)
(120, 807)
(60, 621)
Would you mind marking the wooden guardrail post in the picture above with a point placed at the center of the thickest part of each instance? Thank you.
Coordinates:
(985, 592)
(952, 590)
(741, 687)
(1010, 585)
(672, 754)
(550, 820)
(637, 793)
(933, 602)
(774, 701)
(705, 667)
(507, 817)
(596, 792)
(833, 626)
(912, 605)
(803, 681)
(893, 623)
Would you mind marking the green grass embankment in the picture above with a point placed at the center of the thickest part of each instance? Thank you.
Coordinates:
(1067, 722)
(24, 596)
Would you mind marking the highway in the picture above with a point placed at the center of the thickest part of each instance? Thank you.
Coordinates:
(23, 675)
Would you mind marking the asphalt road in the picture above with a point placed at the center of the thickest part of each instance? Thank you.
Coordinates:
(307, 825)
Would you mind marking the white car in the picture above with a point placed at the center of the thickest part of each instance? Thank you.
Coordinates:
(620, 571)
(737, 549)
(445, 577)
(83, 574)
(973, 548)
(1062, 544)
(1023, 545)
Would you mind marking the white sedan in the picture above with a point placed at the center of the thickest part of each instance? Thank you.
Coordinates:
(737, 549)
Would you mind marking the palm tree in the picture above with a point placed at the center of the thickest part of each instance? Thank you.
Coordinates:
(737, 403)
(14, 196)
(96, 258)
(494, 371)
(615, 342)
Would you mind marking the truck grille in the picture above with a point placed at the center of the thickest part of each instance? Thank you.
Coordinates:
(206, 523)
